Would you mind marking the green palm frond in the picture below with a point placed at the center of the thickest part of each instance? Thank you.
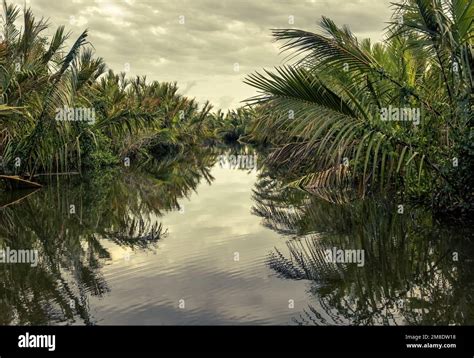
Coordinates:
(325, 107)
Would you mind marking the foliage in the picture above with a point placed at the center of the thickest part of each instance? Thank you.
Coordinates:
(39, 78)
(324, 109)
(233, 125)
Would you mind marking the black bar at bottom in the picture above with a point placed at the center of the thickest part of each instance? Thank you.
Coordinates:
(419, 341)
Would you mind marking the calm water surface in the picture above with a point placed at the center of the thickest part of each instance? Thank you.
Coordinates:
(187, 241)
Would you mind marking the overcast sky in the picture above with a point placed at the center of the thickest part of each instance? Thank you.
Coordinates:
(207, 46)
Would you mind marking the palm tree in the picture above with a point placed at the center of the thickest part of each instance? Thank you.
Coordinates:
(325, 109)
(37, 78)
(232, 125)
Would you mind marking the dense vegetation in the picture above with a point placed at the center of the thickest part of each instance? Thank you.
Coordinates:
(319, 122)
(323, 113)
(233, 125)
(131, 117)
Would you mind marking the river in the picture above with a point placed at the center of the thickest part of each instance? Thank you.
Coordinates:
(189, 241)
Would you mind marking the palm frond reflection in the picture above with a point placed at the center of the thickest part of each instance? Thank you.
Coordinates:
(409, 275)
(74, 234)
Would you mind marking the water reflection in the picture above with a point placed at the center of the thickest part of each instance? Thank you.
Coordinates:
(417, 270)
(67, 223)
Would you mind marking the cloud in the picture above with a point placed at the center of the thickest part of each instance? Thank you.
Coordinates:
(201, 40)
